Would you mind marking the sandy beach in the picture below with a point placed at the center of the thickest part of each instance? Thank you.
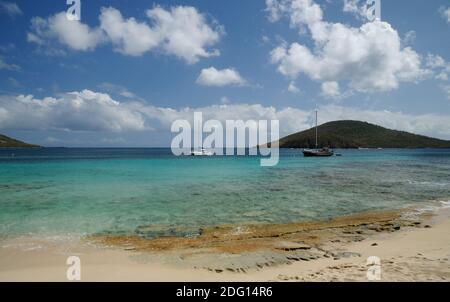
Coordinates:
(411, 246)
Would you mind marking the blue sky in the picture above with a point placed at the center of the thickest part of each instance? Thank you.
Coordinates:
(231, 59)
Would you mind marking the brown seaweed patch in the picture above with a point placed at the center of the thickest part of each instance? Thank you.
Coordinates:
(156, 231)
(255, 237)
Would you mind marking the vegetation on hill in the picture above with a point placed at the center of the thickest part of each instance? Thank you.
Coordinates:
(7, 142)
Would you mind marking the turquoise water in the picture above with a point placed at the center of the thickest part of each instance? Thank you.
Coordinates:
(89, 191)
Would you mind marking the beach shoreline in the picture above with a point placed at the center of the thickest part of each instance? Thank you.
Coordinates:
(412, 245)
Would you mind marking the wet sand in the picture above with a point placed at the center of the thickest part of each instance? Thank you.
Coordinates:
(412, 246)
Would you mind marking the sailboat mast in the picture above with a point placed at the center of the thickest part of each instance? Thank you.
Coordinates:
(316, 131)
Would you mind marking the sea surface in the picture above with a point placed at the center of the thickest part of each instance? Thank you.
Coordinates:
(76, 192)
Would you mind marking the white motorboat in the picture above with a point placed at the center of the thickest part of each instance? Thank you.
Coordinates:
(202, 152)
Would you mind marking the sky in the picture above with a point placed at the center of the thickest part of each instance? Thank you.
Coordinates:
(126, 70)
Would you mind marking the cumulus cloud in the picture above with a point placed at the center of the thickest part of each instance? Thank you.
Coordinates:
(442, 76)
(435, 61)
(74, 34)
(292, 88)
(129, 36)
(331, 89)
(409, 38)
(181, 31)
(355, 7)
(369, 58)
(92, 111)
(118, 90)
(439, 66)
(10, 8)
(79, 111)
(445, 13)
(185, 32)
(223, 77)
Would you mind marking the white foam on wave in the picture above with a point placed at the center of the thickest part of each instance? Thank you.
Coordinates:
(445, 204)
(434, 206)
(427, 183)
(36, 242)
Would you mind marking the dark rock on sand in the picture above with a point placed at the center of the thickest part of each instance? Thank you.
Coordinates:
(291, 246)
(339, 255)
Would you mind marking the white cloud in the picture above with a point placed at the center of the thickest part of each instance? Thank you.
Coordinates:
(445, 13)
(185, 32)
(330, 89)
(442, 76)
(129, 36)
(350, 6)
(292, 88)
(92, 111)
(446, 89)
(356, 8)
(180, 31)
(118, 90)
(223, 77)
(435, 61)
(369, 58)
(225, 100)
(74, 34)
(7, 47)
(439, 66)
(274, 8)
(7, 66)
(113, 141)
(52, 139)
(10, 8)
(84, 111)
(409, 38)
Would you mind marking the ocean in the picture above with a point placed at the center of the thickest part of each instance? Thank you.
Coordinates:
(77, 192)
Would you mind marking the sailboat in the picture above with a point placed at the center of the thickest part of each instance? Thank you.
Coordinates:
(323, 152)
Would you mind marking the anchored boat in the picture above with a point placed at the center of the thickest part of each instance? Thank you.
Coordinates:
(202, 152)
(323, 152)
(318, 152)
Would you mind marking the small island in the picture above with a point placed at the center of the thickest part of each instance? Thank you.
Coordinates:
(8, 142)
(349, 134)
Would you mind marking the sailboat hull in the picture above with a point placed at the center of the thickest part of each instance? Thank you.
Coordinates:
(317, 153)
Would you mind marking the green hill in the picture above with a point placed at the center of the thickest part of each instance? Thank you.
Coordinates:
(7, 142)
(355, 134)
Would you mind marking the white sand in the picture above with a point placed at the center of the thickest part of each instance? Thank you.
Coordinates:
(411, 254)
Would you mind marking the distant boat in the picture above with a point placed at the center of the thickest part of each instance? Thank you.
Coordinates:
(323, 152)
(202, 152)
(318, 152)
